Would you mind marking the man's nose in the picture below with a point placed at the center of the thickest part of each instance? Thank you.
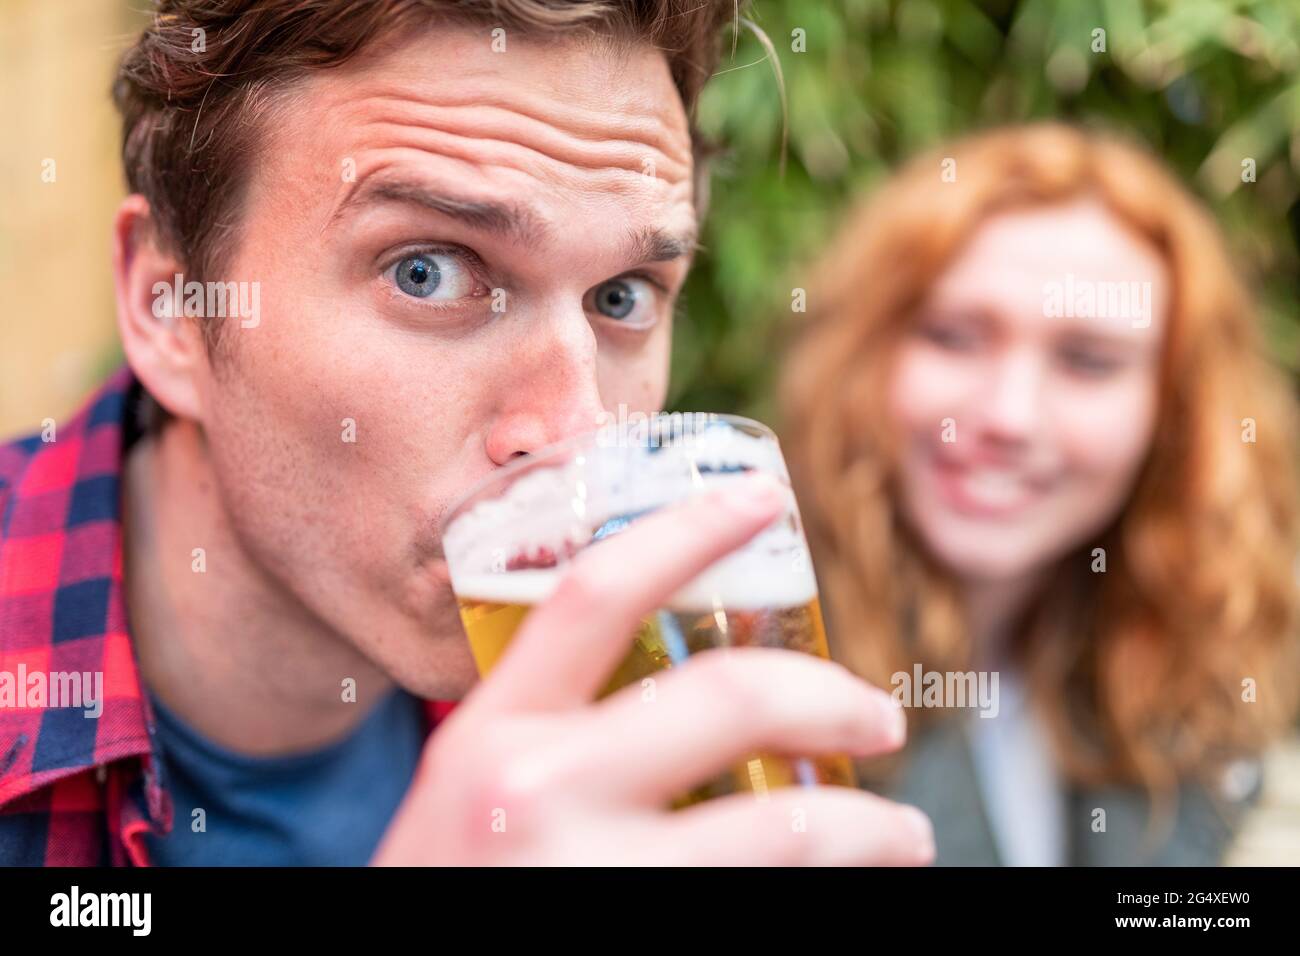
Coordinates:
(551, 390)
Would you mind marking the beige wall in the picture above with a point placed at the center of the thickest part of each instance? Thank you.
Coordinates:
(56, 296)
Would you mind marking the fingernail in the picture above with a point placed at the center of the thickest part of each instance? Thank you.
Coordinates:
(922, 831)
(895, 720)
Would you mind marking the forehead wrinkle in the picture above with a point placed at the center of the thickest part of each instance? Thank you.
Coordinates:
(613, 145)
(595, 125)
(632, 113)
(624, 80)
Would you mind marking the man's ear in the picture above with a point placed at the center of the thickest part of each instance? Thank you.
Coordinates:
(164, 349)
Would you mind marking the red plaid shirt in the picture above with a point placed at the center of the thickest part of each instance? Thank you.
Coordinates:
(76, 791)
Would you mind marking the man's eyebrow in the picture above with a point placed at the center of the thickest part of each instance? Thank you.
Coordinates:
(515, 221)
(658, 245)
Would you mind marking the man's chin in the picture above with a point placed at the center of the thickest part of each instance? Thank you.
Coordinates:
(424, 649)
(437, 670)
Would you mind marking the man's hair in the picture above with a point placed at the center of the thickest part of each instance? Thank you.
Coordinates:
(196, 88)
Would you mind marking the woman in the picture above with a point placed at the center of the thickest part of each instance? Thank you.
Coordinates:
(1036, 442)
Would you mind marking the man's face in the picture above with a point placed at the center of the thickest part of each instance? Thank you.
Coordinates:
(464, 255)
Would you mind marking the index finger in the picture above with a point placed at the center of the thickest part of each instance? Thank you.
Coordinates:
(569, 645)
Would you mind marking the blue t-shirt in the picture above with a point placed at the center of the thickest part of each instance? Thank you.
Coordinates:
(327, 807)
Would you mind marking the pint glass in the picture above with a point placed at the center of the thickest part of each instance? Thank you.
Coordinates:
(508, 542)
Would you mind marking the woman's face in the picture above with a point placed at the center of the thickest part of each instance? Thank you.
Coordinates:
(1025, 389)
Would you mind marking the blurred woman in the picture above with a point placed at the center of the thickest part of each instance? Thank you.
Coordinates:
(1047, 474)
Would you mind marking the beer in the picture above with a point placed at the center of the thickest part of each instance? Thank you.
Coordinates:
(492, 608)
(507, 551)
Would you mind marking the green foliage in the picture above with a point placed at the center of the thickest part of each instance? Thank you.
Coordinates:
(1205, 83)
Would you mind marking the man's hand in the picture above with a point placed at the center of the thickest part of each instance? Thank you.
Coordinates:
(528, 770)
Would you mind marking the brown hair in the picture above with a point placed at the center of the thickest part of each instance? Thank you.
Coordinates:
(1138, 672)
(191, 118)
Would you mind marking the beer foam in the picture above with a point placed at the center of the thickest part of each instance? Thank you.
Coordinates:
(734, 588)
(559, 509)
(511, 587)
(603, 484)
(488, 535)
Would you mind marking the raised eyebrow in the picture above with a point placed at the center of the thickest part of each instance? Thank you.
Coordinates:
(514, 221)
(659, 245)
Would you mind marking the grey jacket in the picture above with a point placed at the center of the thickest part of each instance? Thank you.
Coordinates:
(940, 778)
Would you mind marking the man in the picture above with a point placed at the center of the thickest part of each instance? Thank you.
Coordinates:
(455, 233)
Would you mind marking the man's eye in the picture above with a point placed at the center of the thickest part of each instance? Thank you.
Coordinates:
(432, 275)
(628, 301)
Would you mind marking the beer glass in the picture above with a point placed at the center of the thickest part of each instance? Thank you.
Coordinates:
(509, 539)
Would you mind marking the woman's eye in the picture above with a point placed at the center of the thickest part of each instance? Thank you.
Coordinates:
(1089, 363)
(628, 301)
(432, 275)
(951, 337)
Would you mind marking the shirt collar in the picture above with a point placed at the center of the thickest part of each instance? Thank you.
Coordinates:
(62, 601)
(62, 606)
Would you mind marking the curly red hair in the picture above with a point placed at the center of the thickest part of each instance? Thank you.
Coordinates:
(1140, 672)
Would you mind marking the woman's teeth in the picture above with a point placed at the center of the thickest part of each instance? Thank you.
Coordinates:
(989, 490)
